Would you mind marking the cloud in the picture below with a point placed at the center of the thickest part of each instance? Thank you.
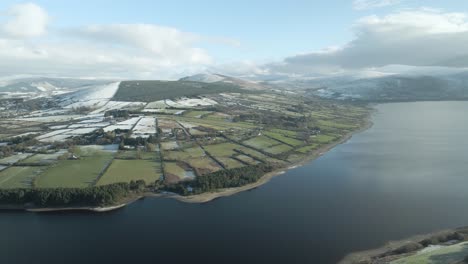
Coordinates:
(169, 45)
(149, 51)
(422, 37)
(371, 4)
(25, 20)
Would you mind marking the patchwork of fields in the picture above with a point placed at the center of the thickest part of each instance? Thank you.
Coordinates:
(169, 132)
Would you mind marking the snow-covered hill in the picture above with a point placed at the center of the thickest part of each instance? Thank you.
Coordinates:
(213, 78)
(33, 87)
(388, 83)
(92, 96)
(204, 77)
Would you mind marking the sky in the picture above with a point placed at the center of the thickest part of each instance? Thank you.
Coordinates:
(151, 39)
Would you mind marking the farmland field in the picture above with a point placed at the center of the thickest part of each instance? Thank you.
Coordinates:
(133, 154)
(281, 137)
(174, 172)
(196, 114)
(229, 163)
(15, 158)
(183, 154)
(223, 149)
(278, 149)
(261, 142)
(308, 148)
(128, 170)
(247, 159)
(75, 173)
(42, 158)
(18, 177)
(203, 165)
(323, 139)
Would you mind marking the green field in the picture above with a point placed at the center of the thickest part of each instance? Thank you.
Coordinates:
(75, 173)
(261, 142)
(308, 148)
(203, 165)
(18, 177)
(174, 172)
(132, 154)
(196, 114)
(247, 159)
(281, 137)
(288, 133)
(323, 139)
(128, 170)
(278, 149)
(223, 149)
(215, 123)
(230, 163)
(42, 158)
(335, 124)
(184, 154)
(15, 158)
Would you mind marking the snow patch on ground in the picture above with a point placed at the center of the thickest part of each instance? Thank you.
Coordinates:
(190, 102)
(144, 128)
(94, 96)
(115, 105)
(124, 125)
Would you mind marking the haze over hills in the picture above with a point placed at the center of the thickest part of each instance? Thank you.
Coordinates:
(390, 83)
(44, 86)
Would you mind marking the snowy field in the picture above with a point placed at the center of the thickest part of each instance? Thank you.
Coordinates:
(15, 158)
(190, 102)
(156, 105)
(50, 119)
(94, 96)
(124, 125)
(114, 127)
(188, 125)
(56, 138)
(53, 133)
(89, 125)
(93, 148)
(145, 127)
(115, 105)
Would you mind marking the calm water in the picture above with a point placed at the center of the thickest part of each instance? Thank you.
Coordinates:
(406, 175)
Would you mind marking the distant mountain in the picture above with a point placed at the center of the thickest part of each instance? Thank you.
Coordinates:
(215, 78)
(389, 83)
(204, 77)
(45, 86)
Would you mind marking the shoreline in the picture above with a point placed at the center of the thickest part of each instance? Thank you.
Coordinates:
(209, 196)
(390, 250)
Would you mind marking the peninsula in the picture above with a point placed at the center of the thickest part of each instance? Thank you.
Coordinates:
(99, 147)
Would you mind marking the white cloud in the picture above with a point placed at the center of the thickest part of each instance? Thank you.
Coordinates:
(108, 50)
(25, 20)
(420, 37)
(169, 45)
(370, 4)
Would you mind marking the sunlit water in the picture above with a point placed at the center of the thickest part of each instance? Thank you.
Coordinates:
(406, 175)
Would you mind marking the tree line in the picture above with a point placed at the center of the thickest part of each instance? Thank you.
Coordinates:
(90, 196)
(221, 179)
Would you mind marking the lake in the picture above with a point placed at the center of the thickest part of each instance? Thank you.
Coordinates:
(406, 175)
